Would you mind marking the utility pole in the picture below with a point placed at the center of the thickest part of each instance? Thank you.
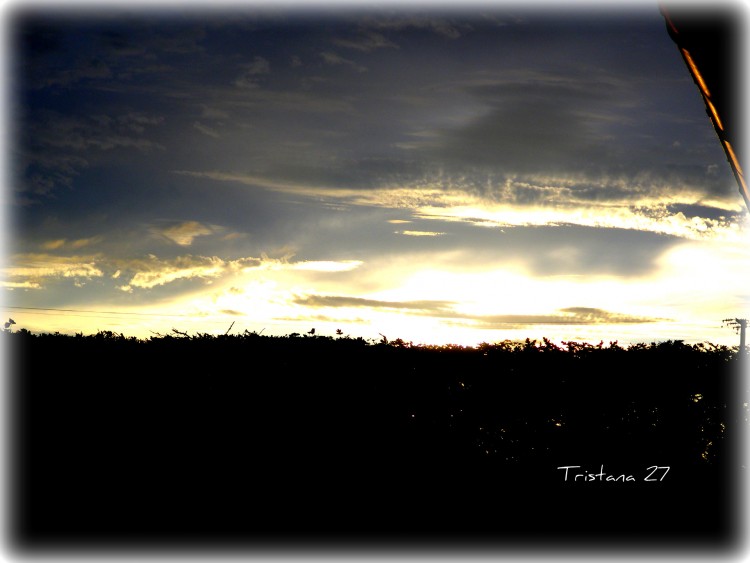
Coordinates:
(743, 326)
(739, 325)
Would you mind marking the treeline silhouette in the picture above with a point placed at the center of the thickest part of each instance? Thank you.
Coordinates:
(249, 440)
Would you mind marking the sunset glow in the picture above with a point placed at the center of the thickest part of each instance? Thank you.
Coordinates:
(380, 173)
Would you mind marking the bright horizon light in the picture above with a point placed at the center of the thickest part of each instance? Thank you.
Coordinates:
(439, 176)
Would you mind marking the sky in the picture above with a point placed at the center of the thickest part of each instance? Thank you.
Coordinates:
(425, 172)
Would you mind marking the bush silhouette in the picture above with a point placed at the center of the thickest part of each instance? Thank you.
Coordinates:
(247, 437)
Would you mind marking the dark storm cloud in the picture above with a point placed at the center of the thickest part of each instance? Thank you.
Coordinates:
(157, 152)
(135, 119)
(488, 99)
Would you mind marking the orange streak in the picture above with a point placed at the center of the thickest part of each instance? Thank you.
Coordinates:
(743, 189)
(668, 19)
(738, 172)
(715, 114)
(735, 162)
(696, 73)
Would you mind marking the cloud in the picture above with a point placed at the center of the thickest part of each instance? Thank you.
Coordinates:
(53, 244)
(19, 285)
(554, 250)
(441, 26)
(73, 244)
(250, 76)
(585, 136)
(419, 233)
(137, 121)
(532, 124)
(214, 112)
(32, 270)
(591, 315)
(343, 321)
(460, 200)
(567, 316)
(150, 272)
(444, 310)
(86, 69)
(83, 242)
(54, 148)
(183, 233)
(256, 181)
(333, 59)
(684, 221)
(327, 265)
(206, 130)
(232, 312)
(367, 41)
(180, 40)
(100, 131)
(345, 301)
(143, 39)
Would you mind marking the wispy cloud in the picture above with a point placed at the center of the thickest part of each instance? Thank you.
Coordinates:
(252, 72)
(19, 285)
(36, 269)
(672, 214)
(88, 68)
(32, 270)
(437, 171)
(58, 147)
(445, 310)
(366, 41)
(441, 26)
(183, 233)
(419, 233)
(566, 316)
(206, 130)
(326, 265)
(151, 271)
(53, 244)
(331, 58)
(157, 272)
(102, 132)
(58, 244)
(345, 301)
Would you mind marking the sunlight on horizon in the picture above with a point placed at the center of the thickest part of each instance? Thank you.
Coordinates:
(428, 300)
(268, 183)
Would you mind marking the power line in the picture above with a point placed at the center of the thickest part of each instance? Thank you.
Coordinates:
(94, 312)
(83, 315)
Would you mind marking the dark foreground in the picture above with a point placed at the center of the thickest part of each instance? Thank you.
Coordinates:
(296, 442)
